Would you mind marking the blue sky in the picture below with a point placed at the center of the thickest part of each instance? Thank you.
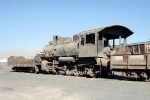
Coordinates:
(32, 23)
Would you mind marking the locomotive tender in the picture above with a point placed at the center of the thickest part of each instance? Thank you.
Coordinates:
(135, 65)
(87, 55)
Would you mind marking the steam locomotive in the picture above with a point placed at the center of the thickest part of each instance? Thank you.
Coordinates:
(91, 54)
(87, 55)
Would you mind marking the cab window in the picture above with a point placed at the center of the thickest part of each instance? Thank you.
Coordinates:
(90, 38)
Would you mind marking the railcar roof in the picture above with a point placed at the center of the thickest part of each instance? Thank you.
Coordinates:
(126, 32)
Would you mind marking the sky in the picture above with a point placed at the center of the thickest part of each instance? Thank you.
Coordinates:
(30, 24)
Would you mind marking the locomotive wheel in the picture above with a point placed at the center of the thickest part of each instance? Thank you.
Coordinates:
(90, 73)
(143, 77)
(55, 72)
(32, 70)
(135, 76)
(16, 69)
(125, 76)
(148, 76)
(44, 66)
(75, 72)
(68, 72)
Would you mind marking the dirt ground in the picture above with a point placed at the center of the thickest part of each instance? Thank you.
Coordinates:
(30, 86)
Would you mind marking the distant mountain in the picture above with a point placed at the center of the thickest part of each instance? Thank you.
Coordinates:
(27, 54)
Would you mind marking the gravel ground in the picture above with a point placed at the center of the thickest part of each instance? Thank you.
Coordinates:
(29, 86)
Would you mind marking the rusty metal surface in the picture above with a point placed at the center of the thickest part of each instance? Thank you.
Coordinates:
(71, 48)
(38, 59)
(67, 49)
(20, 61)
(117, 51)
(103, 62)
(139, 48)
(130, 62)
(30, 63)
(61, 40)
(138, 58)
(48, 50)
(88, 51)
(15, 61)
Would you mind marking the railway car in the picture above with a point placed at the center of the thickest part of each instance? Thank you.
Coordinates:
(20, 63)
(135, 65)
(16, 62)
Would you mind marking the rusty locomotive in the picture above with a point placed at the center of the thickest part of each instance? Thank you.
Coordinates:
(91, 54)
(88, 54)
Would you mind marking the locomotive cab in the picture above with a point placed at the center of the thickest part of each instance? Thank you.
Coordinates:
(95, 48)
(93, 43)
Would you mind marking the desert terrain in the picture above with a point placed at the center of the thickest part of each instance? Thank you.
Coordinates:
(30, 86)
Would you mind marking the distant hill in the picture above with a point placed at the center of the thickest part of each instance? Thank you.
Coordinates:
(27, 54)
